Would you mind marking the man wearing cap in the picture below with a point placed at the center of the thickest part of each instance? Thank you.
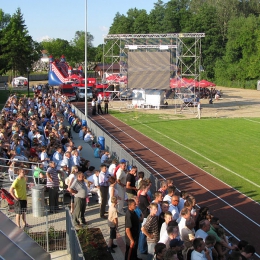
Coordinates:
(121, 184)
(176, 244)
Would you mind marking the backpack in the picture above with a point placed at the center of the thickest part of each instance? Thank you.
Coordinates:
(5, 195)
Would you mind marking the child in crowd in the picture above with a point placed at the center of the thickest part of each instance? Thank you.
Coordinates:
(140, 178)
(113, 224)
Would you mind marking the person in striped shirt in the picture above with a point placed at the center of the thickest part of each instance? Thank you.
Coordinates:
(53, 187)
(150, 229)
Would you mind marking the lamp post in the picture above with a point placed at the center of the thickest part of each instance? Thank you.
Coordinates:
(28, 82)
(86, 69)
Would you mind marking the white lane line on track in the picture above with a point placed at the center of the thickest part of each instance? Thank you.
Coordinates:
(201, 155)
(214, 195)
(238, 239)
(252, 120)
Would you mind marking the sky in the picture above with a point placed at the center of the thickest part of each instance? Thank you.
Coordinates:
(62, 18)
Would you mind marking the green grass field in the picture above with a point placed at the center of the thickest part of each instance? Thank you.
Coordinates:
(226, 148)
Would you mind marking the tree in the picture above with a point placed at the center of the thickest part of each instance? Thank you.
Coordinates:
(78, 47)
(19, 51)
(176, 13)
(4, 20)
(140, 22)
(99, 53)
(205, 21)
(241, 59)
(156, 17)
(56, 47)
(120, 25)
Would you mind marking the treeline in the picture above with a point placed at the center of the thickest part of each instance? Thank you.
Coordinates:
(19, 52)
(230, 50)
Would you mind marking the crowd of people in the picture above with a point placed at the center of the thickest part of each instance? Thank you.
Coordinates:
(165, 224)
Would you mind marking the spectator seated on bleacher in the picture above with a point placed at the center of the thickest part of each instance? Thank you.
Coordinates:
(77, 126)
(89, 138)
(105, 157)
(97, 151)
(39, 174)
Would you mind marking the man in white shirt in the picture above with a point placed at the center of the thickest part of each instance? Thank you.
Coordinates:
(174, 207)
(170, 234)
(200, 251)
(204, 228)
(94, 187)
(168, 218)
(168, 196)
(112, 167)
(88, 138)
(121, 184)
(184, 214)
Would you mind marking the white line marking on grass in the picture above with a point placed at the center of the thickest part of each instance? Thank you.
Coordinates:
(223, 167)
(252, 120)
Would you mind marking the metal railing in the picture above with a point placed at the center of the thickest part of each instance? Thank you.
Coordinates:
(72, 240)
(48, 230)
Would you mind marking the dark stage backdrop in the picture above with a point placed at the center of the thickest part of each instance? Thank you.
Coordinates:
(149, 70)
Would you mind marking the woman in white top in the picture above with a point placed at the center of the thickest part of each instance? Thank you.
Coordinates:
(71, 178)
(112, 191)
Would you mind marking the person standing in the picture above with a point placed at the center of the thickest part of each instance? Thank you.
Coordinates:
(200, 251)
(131, 190)
(113, 224)
(121, 184)
(198, 110)
(80, 191)
(18, 191)
(99, 102)
(132, 230)
(150, 229)
(94, 107)
(106, 101)
(53, 186)
(103, 187)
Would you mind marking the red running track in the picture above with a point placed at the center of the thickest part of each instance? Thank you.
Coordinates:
(238, 214)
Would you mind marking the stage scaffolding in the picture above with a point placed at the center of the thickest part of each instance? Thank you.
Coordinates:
(185, 57)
